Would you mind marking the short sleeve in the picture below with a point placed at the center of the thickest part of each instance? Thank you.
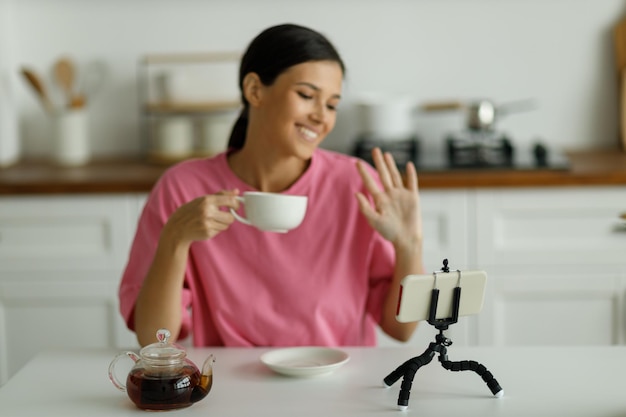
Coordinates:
(153, 217)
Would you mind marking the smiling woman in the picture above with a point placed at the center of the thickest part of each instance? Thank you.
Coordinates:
(264, 61)
(292, 116)
(329, 281)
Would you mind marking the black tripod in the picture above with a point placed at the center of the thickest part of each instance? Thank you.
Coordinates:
(408, 369)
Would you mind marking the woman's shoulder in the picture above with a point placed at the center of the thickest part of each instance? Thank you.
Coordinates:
(341, 165)
(194, 167)
(337, 159)
(192, 176)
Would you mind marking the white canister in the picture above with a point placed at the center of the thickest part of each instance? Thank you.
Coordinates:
(10, 146)
(387, 117)
(175, 137)
(212, 82)
(70, 143)
(215, 131)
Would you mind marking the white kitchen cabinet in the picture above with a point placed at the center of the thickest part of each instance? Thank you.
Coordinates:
(550, 226)
(52, 234)
(61, 259)
(555, 258)
(556, 306)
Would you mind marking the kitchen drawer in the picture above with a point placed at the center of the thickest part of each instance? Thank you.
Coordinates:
(58, 315)
(559, 226)
(68, 232)
(578, 305)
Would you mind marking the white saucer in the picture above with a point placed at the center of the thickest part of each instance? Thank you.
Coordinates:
(305, 361)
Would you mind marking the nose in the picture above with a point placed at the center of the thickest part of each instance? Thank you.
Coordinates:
(319, 112)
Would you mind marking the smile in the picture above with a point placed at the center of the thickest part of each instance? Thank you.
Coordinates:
(308, 133)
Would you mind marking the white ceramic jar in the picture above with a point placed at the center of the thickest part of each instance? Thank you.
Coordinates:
(10, 146)
(175, 137)
(70, 142)
(215, 131)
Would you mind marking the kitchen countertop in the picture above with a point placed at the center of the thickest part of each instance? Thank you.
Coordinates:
(537, 381)
(587, 168)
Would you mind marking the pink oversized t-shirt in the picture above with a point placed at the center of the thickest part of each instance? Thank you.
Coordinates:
(322, 283)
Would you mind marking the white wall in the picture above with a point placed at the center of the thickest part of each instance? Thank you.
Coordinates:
(558, 52)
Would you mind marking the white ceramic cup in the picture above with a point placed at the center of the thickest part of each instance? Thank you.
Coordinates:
(272, 212)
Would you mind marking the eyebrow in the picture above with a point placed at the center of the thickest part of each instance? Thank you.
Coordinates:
(316, 88)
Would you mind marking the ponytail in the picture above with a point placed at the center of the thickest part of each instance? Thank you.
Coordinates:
(240, 128)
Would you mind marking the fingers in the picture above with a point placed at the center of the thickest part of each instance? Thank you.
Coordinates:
(205, 216)
(214, 226)
(396, 178)
(381, 167)
(368, 180)
(226, 201)
(226, 198)
(234, 191)
(366, 208)
(411, 177)
(218, 217)
(387, 169)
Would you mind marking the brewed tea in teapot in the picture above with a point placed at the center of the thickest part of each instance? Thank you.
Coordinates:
(162, 377)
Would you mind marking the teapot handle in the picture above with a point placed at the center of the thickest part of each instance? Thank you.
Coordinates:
(112, 376)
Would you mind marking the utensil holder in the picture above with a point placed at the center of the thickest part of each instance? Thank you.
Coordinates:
(70, 145)
(10, 146)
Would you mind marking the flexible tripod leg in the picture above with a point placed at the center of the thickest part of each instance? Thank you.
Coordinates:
(408, 370)
(480, 369)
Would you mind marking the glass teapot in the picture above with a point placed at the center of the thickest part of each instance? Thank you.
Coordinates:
(162, 377)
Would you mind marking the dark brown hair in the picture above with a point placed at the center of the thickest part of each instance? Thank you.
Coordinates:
(271, 53)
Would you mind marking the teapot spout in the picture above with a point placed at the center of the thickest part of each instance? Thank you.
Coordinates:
(207, 367)
(206, 380)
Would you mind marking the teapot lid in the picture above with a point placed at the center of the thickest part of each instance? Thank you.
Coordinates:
(163, 352)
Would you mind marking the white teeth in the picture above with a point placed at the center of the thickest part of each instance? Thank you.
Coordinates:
(308, 132)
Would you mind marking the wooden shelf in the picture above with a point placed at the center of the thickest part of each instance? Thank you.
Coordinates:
(178, 58)
(191, 107)
(160, 158)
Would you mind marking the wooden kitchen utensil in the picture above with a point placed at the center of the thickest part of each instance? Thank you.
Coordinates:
(619, 41)
(37, 84)
(622, 108)
(65, 76)
(442, 106)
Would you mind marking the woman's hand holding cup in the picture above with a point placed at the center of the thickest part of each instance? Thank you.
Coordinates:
(202, 218)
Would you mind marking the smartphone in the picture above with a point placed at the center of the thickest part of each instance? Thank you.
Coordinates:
(416, 291)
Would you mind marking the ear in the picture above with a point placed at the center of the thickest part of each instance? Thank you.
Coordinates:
(252, 88)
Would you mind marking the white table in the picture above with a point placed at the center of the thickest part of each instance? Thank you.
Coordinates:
(546, 381)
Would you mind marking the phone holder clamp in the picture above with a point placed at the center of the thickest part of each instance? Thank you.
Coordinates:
(409, 368)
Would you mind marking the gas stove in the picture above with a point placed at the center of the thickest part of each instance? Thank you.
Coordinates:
(403, 151)
(466, 150)
(477, 150)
